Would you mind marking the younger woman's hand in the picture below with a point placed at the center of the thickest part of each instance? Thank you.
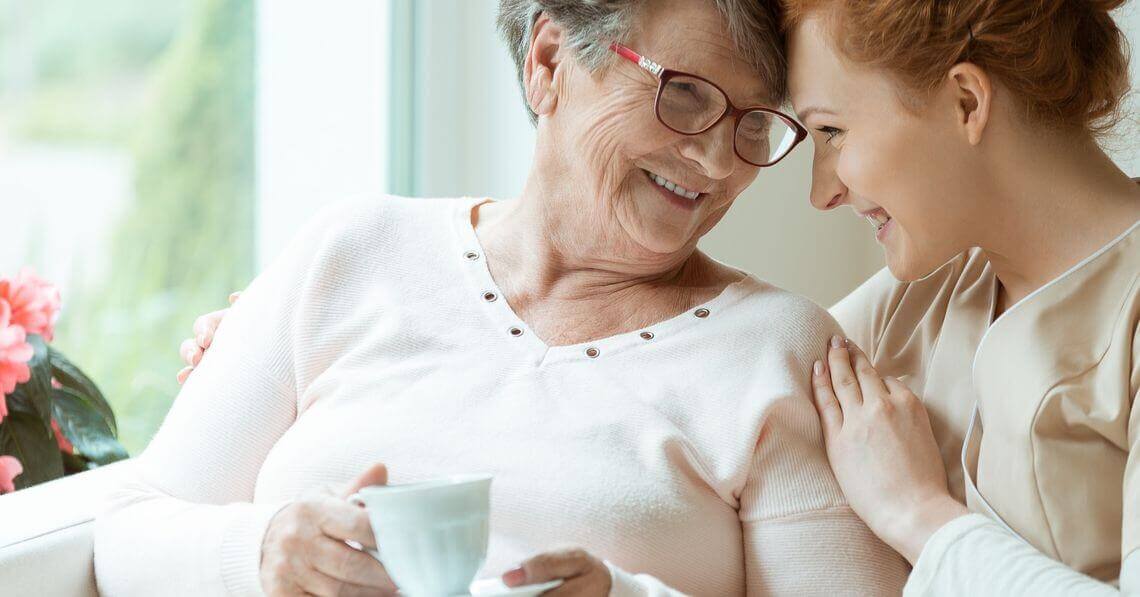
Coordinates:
(883, 452)
(192, 349)
(583, 574)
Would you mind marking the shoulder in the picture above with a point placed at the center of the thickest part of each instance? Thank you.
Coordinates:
(377, 215)
(366, 228)
(348, 240)
(775, 320)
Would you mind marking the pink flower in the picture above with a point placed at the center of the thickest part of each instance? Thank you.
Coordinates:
(10, 468)
(15, 352)
(60, 439)
(35, 303)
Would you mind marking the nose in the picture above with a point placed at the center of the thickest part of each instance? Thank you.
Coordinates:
(713, 150)
(827, 189)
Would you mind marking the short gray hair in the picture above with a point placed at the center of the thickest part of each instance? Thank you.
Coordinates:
(591, 25)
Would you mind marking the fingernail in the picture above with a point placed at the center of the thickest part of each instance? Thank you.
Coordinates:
(818, 367)
(201, 339)
(836, 341)
(515, 577)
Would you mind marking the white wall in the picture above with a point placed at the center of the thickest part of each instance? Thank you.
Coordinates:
(1123, 146)
(322, 105)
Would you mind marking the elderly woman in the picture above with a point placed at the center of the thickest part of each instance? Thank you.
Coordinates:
(632, 396)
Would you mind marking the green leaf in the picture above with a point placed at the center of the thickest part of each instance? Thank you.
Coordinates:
(40, 456)
(69, 376)
(38, 388)
(85, 427)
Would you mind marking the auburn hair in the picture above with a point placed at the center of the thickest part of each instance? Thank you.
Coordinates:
(1065, 61)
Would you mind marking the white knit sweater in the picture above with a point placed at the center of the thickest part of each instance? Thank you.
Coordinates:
(688, 457)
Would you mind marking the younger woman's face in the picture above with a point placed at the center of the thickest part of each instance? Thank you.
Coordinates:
(910, 171)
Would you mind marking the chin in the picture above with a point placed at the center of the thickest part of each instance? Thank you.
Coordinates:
(912, 266)
(664, 245)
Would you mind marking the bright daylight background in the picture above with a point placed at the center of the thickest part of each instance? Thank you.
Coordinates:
(154, 155)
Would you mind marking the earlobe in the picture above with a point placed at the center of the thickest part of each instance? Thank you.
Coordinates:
(540, 94)
(539, 68)
(974, 96)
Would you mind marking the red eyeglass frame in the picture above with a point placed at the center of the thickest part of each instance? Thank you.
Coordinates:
(663, 76)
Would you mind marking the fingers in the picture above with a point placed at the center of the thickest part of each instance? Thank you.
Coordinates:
(871, 386)
(830, 413)
(314, 581)
(896, 387)
(184, 374)
(377, 474)
(344, 521)
(206, 325)
(843, 380)
(338, 560)
(234, 297)
(556, 564)
(190, 352)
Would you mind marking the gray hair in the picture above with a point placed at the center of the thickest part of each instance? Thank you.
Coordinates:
(591, 25)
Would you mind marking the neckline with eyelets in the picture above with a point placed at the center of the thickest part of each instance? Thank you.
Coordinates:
(477, 272)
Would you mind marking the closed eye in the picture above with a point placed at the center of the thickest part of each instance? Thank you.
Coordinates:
(829, 132)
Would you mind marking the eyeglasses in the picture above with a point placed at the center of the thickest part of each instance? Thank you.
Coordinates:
(691, 105)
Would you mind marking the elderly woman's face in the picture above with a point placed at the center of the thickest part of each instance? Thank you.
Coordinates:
(622, 152)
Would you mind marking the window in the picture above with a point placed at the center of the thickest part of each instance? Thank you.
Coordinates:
(127, 178)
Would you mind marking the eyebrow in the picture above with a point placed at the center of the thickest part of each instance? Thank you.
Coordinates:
(808, 111)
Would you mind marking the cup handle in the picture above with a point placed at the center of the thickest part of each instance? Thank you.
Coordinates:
(355, 499)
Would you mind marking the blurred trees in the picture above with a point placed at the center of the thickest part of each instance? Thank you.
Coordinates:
(186, 238)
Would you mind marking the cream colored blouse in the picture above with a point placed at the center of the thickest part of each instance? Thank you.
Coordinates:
(1033, 413)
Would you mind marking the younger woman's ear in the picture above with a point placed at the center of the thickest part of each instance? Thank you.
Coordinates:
(973, 94)
(542, 59)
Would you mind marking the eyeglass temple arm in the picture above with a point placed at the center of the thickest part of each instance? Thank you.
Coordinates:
(640, 60)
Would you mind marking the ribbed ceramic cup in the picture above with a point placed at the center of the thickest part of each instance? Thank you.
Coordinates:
(432, 534)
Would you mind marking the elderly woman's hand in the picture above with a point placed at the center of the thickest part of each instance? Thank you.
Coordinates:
(304, 550)
(882, 450)
(584, 575)
(192, 349)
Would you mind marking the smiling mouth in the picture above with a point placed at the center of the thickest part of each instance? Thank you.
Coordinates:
(878, 218)
(673, 187)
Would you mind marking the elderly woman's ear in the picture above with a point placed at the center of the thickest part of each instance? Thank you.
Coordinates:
(541, 63)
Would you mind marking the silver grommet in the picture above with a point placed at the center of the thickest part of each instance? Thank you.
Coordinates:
(593, 352)
(646, 335)
(490, 297)
(702, 313)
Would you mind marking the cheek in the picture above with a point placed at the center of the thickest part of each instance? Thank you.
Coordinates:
(613, 131)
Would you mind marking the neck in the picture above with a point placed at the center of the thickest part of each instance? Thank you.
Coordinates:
(570, 283)
(530, 256)
(1052, 206)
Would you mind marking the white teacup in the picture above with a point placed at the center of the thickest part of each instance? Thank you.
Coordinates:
(432, 534)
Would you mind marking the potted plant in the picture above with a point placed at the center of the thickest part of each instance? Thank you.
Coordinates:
(53, 419)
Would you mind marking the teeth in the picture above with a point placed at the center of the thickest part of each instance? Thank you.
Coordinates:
(878, 220)
(673, 187)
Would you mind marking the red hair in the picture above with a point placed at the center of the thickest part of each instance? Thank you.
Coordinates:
(1066, 61)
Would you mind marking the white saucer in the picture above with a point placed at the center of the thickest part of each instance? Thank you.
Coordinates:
(494, 587)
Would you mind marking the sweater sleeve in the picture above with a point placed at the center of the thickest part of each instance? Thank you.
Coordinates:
(973, 555)
(184, 521)
(800, 536)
